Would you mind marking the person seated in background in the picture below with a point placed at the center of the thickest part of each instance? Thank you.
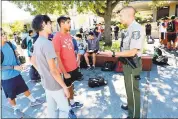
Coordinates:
(75, 45)
(92, 49)
(81, 45)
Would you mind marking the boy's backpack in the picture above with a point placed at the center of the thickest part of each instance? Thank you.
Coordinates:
(108, 66)
(96, 82)
(2, 55)
(171, 27)
(24, 44)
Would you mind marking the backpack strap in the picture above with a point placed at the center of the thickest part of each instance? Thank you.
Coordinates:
(2, 57)
(10, 44)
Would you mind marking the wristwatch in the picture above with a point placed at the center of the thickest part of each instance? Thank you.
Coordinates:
(113, 55)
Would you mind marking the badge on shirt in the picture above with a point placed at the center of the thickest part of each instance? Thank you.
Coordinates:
(136, 35)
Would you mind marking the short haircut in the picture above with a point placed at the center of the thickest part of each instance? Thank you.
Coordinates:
(128, 7)
(79, 36)
(62, 19)
(96, 28)
(30, 31)
(38, 21)
(91, 33)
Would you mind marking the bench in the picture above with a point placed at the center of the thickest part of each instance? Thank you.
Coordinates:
(146, 61)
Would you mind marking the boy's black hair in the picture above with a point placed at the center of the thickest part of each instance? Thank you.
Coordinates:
(62, 19)
(79, 36)
(30, 31)
(38, 21)
(96, 28)
(91, 33)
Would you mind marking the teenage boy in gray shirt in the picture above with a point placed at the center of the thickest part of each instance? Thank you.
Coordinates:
(44, 60)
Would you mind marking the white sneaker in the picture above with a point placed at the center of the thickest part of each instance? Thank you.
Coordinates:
(37, 102)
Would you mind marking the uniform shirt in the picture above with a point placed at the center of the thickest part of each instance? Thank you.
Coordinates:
(63, 44)
(134, 38)
(44, 51)
(9, 60)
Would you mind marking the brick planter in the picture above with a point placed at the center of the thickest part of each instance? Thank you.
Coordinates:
(146, 61)
(100, 59)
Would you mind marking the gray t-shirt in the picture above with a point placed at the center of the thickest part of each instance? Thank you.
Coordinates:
(44, 51)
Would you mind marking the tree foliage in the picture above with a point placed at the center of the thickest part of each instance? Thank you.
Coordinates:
(155, 4)
(103, 9)
(45, 7)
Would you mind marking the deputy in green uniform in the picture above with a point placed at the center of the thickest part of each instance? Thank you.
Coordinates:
(132, 47)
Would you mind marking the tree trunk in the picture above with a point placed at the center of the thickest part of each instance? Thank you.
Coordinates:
(107, 30)
(107, 20)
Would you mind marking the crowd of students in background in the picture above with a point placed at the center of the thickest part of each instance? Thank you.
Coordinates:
(168, 29)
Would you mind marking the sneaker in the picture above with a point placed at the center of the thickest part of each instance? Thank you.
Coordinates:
(76, 105)
(37, 102)
(124, 107)
(93, 67)
(72, 115)
(80, 76)
(88, 67)
(18, 112)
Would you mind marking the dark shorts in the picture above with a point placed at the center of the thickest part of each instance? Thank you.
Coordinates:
(163, 35)
(95, 51)
(171, 37)
(14, 86)
(74, 76)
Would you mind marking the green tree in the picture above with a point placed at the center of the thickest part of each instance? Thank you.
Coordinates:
(155, 4)
(16, 26)
(103, 9)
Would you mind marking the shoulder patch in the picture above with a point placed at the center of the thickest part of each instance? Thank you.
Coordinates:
(136, 35)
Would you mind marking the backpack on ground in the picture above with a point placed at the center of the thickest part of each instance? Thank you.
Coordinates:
(96, 82)
(161, 60)
(150, 40)
(108, 66)
(158, 58)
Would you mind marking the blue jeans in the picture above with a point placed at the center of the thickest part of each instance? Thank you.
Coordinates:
(57, 104)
